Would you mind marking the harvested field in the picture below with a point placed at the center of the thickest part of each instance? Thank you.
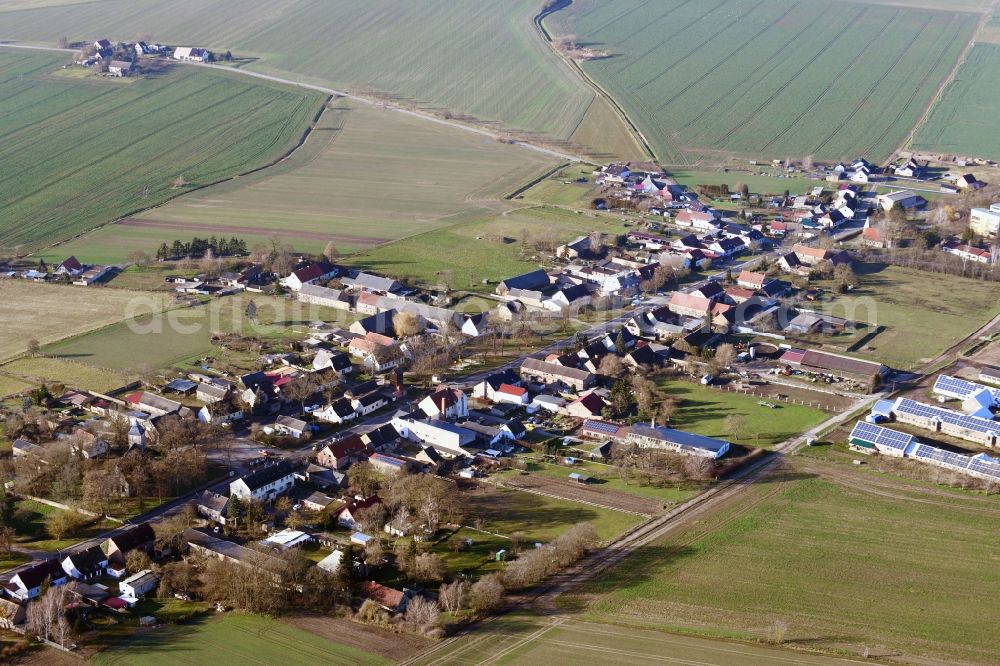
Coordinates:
(68, 372)
(389, 644)
(585, 494)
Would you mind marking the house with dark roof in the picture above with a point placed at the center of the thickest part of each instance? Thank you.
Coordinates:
(486, 388)
(338, 411)
(446, 403)
(656, 437)
(535, 280)
(347, 516)
(342, 453)
(212, 506)
(290, 426)
(138, 537)
(27, 583)
(310, 274)
(588, 406)
(85, 564)
(535, 370)
(70, 266)
(265, 483)
(373, 283)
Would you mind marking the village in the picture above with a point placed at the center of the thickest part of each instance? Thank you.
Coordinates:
(342, 467)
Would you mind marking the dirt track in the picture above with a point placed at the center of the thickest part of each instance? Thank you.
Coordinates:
(577, 492)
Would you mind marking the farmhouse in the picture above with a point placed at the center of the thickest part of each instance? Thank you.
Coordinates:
(539, 371)
(86, 564)
(121, 68)
(338, 411)
(265, 483)
(968, 252)
(325, 297)
(291, 427)
(212, 506)
(347, 516)
(27, 583)
(810, 256)
(375, 284)
(311, 274)
(587, 406)
(389, 599)
(192, 54)
(445, 403)
(689, 305)
(153, 404)
(138, 585)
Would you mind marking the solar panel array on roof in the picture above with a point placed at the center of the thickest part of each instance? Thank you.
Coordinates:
(972, 423)
(879, 436)
(981, 464)
(602, 427)
(961, 389)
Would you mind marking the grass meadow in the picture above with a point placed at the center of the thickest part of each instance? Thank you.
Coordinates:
(486, 61)
(68, 372)
(703, 410)
(772, 78)
(963, 121)
(489, 248)
(229, 639)
(48, 313)
(79, 153)
(922, 314)
(905, 572)
(185, 334)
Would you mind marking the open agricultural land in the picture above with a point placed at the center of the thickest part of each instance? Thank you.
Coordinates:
(364, 177)
(815, 558)
(47, 313)
(185, 334)
(773, 78)
(81, 152)
(486, 61)
(922, 315)
(963, 121)
(490, 248)
(233, 638)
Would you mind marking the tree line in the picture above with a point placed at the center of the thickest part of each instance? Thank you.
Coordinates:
(199, 248)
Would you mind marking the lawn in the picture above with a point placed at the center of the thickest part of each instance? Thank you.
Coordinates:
(703, 410)
(901, 573)
(768, 78)
(80, 153)
(486, 61)
(29, 523)
(503, 512)
(12, 385)
(363, 178)
(184, 334)
(962, 122)
(231, 639)
(923, 314)
(49, 312)
(488, 248)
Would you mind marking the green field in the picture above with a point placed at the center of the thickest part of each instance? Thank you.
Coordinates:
(232, 639)
(79, 153)
(485, 249)
(47, 312)
(185, 334)
(485, 60)
(364, 177)
(904, 570)
(68, 372)
(775, 78)
(963, 122)
(703, 410)
(924, 314)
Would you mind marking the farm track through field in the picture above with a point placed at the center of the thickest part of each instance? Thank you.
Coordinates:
(745, 81)
(840, 75)
(707, 41)
(720, 143)
(913, 94)
(984, 19)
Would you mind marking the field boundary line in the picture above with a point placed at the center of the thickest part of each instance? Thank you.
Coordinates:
(984, 18)
(543, 32)
(534, 491)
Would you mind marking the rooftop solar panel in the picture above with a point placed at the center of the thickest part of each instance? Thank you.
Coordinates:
(602, 427)
(879, 436)
(973, 423)
(961, 388)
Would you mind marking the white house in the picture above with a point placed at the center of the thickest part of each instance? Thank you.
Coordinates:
(515, 395)
(264, 483)
(138, 585)
(27, 584)
(86, 564)
(311, 274)
(445, 437)
(338, 411)
(368, 403)
(449, 403)
(291, 427)
(191, 54)
(489, 386)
